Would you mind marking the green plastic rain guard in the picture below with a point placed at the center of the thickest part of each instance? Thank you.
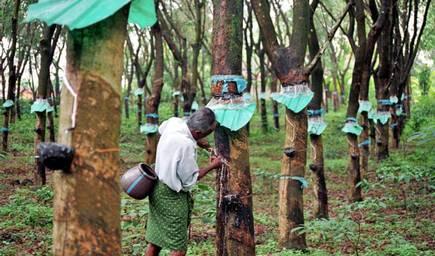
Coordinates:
(295, 97)
(383, 116)
(138, 91)
(50, 108)
(149, 128)
(316, 125)
(372, 115)
(195, 106)
(247, 96)
(40, 105)
(262, 96)
(364, 105)
(399, 110)
(77, 14)
(352, 126)
(394, 99)
(8, 103)
(302, 180)
(234, 113)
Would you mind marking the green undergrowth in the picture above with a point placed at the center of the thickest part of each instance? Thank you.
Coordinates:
(395, 217)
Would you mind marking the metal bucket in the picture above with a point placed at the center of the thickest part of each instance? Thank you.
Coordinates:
(138, 182)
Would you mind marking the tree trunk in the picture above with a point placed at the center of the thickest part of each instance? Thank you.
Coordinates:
(263, 108)
(43, 85)
(275, 104)
(382, 82)
(234, 217)
(17, 103)
(87, 199)
(50, 116)
(317, 167)
(287, 62)
(8, 113)
(153, 101)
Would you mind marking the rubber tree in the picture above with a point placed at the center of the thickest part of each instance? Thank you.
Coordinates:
(407, 40)
(287, 63)
(248, 39)
(234, 217)
(262, 66)
(142, 71)
(317, 167)
(87, 199)
(12, 79)
(153, 102)
(47, 46)
(359, 87)
(382, 78)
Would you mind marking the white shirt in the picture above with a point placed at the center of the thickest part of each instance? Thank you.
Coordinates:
(176, 155)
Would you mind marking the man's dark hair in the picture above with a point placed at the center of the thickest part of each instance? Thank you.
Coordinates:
(201, 120)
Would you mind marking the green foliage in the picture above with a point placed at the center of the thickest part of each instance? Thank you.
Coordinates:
(424, 79)
(423, 115)
(28, 208)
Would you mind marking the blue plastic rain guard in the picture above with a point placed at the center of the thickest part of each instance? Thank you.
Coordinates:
(149, 128)
(295, 97)
(247, 96)
(195, 106)
(399, 110)
(383, 116)
(394, 99)
(316, 125)
(138, 91)
(40, 105)
(233, 113)
(225, 79)
(50, 108)
(315, 112)
(77, 14)
(364, 143)
(384, 102)
(302, 180)
(372, 115)
(152, 115)
(364, 105)
(8, 103)
(352, 126)
(262, 96)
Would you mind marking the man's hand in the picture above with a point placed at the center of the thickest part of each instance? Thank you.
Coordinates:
(216, 162)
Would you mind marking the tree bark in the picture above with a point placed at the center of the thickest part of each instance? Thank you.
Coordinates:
(317, 167)
(152, 106)
(235, 221)
(8, 113)
(274, 103)
(382, 81)
(262, 64)
(87, 199)
(43, 85)
(287, 63)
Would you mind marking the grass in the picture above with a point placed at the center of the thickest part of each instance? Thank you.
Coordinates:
(396, 217)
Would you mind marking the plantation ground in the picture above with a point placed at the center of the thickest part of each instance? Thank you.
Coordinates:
(397, 216)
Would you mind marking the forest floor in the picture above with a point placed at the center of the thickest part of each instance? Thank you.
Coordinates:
(397, 216)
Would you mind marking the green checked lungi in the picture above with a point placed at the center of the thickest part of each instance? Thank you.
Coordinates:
(169, 218)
